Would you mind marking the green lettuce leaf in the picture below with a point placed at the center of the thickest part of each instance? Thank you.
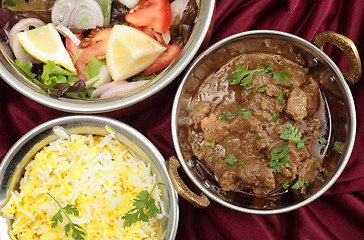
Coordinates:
(106, 10)
(25, 68)
(10, 3)
(93, 67)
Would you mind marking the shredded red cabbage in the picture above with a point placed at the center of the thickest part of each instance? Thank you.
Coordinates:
(7, 20)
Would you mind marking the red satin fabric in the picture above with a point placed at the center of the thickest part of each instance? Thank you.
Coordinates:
(338, 214)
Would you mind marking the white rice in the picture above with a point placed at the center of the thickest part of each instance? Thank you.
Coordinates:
(98, 175)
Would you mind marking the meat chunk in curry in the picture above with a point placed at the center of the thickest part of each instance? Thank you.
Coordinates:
(255, 129)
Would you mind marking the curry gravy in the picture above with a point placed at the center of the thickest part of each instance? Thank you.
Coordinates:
(237, 150)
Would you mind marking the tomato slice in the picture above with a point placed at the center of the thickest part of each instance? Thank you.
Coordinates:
(94, 44)
(164, 59)
(155, 14)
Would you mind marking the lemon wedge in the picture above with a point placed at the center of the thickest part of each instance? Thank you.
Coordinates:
(130, 51)
(44, 43)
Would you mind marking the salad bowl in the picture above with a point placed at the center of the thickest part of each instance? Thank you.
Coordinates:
(126, 101)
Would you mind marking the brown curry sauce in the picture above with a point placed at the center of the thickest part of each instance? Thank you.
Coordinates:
(250, 140)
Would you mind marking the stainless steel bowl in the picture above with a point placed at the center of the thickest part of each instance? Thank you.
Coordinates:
(14, 162)
(332, 82)
(200, 35)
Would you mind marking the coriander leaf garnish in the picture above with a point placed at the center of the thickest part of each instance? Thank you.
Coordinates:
(240, 162)
(281, 97)
(323, 141)
(280, 77)
(338, 146)
(209, 144)
(291, 133)
(301, 144)
(286, 184)
(273, 117)
(243, 112)
(265, 67)
(240, 113)
(229, 159)
(232, 162)
(258, 137)
(144, 209)
(78, 232)
(224, 117)
(261, 89)
(298, 184)
(243, 76)
(279, 158)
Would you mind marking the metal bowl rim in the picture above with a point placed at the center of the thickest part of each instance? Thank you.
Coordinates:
(351, 109)
(99, 106)
(124, 129)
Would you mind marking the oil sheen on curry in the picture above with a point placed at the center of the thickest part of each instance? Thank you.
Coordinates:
(256, 124)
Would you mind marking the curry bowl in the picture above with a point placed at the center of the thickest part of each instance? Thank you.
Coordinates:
(129, 101)
(14, 168)
(222, 176)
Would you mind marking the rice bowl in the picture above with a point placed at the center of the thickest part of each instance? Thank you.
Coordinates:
(99, 175)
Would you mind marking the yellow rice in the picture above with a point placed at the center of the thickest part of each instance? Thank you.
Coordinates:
(97, 174)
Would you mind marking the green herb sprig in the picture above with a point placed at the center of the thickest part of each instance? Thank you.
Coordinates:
(323, 141)
(286, 184)
(244, 77)
(338, 146)
(261, 89)
(273, 117)
(240, 113)
(297, 185)
(232, 162)
(78, 232)
(144, 209)
(281, 97)
(258, 137)
(291, 133)
(209, 144)
(279, 157)
(280, 77)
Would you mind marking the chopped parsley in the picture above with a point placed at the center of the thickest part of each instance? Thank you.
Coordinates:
(232, 162)
(338, 146)
(209, 144)
(258, 137)
(298, 184)
(273, 117)
(291, 133)
(281, 97)
(286, 184)
(78, 232)
(280, 77)
(144, 208)
(279, 158)
(240, 113)
(323, 141)
(224, 117)
(243, 112)
(261, 89)
(244, 77)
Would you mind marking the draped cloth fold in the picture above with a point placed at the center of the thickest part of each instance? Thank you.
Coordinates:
(338, 214)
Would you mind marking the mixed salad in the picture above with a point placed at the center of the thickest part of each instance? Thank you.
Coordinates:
(84, 28)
